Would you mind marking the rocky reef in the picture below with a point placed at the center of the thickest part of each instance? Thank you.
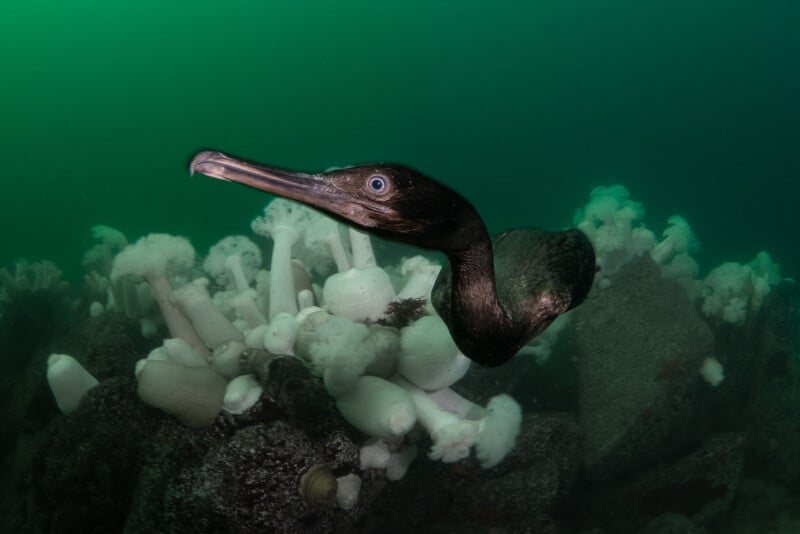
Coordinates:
(621, 433)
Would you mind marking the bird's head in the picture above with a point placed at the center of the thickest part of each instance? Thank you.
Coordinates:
(392, 201)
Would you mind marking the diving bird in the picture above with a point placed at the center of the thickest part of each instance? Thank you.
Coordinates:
(494, 294)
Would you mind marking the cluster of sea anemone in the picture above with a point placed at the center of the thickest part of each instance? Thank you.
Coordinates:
(615, 225)
(369, 333)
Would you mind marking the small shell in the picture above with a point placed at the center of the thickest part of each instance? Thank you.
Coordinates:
(318, 486)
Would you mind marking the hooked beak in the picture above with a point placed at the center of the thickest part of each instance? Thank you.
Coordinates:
(302, 187)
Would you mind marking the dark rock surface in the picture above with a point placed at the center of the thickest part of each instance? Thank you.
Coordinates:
(763, 505)
(700, 485)
(670, 523)
(521, 494)
(772, 416)
(120, 466)
(639, 347)
(660, 450)
(117, 465)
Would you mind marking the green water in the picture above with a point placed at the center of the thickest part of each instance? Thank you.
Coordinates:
(523, 106)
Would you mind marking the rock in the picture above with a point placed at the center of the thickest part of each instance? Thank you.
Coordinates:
(117, 465)
(672, 524)
(700, 486)
(520, 494)
(639, 346)
(771, 417)
(247, 482)
(85, 466)
(763, 505)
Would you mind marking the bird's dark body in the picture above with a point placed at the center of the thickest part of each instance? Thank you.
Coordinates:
(539, 275)
(495, 294)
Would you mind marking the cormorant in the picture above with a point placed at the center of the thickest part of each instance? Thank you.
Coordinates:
(495, 294)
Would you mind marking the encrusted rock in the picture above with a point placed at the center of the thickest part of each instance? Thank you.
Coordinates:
(639, 346)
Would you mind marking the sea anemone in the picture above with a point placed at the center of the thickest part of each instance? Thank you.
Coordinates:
(233, 262)
(151, 257)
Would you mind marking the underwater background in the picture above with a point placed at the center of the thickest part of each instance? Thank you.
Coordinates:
(521, 106)
(664, 402)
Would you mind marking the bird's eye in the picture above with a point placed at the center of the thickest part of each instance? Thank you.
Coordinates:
(377, 183)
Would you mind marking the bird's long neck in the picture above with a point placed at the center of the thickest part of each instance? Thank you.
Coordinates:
(478, 317)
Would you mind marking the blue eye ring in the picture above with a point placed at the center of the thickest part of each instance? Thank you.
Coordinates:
(377, 183)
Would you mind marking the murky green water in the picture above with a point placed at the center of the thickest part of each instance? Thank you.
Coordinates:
(523, 106)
